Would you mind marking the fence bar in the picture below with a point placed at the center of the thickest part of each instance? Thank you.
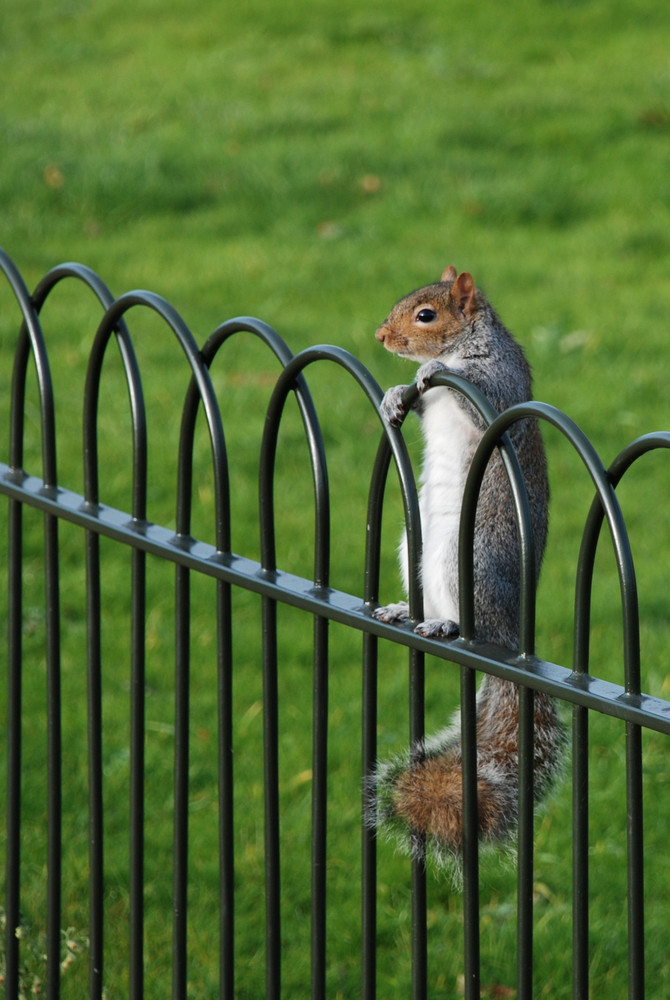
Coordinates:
(419, 896)
(181, 781)
(471, 940)
(636, 971)
(525, 844)
(580, 853)
(319, 807)
(580, 787)
(31, 342)
(14, 736)
(369, 837)
(271, 773)
(95, 791)
(370, 669)
(555, 680)
(226, 812)
(634, 798)
(137, 738)
(392, 442)
(54, 757)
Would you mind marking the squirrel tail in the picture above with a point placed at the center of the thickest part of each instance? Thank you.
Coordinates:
(418, 798)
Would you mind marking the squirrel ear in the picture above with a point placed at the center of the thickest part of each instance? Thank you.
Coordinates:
(463, 293)
(449, 274)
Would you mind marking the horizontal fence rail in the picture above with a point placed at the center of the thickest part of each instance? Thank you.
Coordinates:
(39, 491)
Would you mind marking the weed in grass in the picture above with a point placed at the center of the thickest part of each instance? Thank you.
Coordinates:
(32, 969)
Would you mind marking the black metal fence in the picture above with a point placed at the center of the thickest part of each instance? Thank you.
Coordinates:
(41, 490)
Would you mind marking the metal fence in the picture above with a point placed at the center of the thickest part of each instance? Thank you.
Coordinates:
(41, 489)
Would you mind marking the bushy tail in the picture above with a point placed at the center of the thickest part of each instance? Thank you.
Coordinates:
(419, 796)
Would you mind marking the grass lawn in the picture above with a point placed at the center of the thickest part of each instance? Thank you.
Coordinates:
(309, 165)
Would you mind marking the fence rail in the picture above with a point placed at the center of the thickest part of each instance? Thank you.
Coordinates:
(42, 491)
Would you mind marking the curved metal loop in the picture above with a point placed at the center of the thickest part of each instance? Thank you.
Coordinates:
(281, 350)
(247, 324)
(494, 436)
(393, 444)
(291, 376)
(110, 322)
(71, 269)
(587, 553)
(92, 281)
(606, 497)
(31, 338)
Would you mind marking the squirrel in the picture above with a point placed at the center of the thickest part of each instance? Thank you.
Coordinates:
(451, 326)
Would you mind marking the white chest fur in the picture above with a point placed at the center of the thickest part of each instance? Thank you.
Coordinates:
(450, 437)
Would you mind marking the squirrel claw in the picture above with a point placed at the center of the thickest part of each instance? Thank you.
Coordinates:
(435, 628)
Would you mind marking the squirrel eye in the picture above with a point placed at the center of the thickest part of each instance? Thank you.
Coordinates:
(426, 315)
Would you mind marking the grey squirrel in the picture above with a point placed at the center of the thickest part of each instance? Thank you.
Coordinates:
(451, 326)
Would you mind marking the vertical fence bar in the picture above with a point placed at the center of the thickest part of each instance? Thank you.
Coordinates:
(137, 738)
(271, 780)
(319, 807)
(419, 896)
(580, 761)
(634, 795)
(580, 794)
(226, 814)
(54, 742)
(525, 845)
(14, 737)
(636, 970)
(369, 714)
(181, 762)
(392, 443)
(95, 791)
(417, 674)
(471, 941)
(320, 715)
(224, 654)
(54, 757)
(369, 838)
(580, 853)
(495, 436)
(14, 645)
(94, 648)
(31, 340)
(291, 379)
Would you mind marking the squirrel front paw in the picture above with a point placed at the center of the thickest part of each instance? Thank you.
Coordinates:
(392, 405)
(392, 612)
(426, 372)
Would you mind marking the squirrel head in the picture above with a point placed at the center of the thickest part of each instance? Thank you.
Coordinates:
(424, 324)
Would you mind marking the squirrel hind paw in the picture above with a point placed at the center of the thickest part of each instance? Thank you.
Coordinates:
(436, 628)
(392, 612)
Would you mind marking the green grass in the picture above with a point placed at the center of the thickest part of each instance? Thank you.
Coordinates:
(309, 166)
